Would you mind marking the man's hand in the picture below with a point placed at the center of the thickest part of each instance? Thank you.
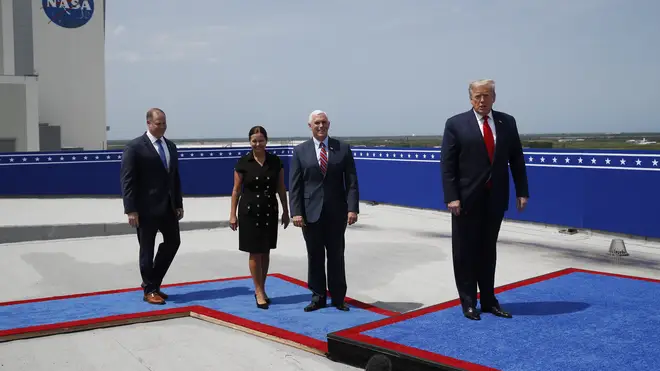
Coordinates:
(455, 207)
(298, 221)
(133, 220)
(521, 203)
(352, 217)
(179, 214)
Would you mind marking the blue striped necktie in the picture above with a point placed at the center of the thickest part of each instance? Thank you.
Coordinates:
(161, 152)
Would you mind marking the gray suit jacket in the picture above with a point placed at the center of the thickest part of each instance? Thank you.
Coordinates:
(310, 192)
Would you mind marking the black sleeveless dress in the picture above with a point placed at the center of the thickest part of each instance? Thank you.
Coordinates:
(258, 211)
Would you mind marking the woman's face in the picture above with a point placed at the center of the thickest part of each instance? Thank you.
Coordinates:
(258, 142)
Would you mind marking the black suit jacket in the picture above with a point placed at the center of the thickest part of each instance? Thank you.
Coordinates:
(466, 167)
(310, 192)
(147, 187)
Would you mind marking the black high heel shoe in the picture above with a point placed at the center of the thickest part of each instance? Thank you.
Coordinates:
(267, 299)
(261, 306)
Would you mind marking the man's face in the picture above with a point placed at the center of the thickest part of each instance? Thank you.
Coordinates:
(320, 126)
(157, 125)
(482, 99)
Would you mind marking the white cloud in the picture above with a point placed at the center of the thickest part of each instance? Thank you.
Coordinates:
(126, 56)
(118, 30)
(216, 28)
(165, 46)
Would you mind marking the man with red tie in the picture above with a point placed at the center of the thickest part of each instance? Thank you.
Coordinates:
(324, 197)
(478, 147)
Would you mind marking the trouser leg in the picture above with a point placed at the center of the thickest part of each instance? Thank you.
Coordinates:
(316, 278)
(335, 247)
(146, 235)
(167, 250)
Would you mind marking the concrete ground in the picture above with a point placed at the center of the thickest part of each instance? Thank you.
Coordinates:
(396, 258)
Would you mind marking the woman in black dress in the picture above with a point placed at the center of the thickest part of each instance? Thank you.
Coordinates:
(258, 176)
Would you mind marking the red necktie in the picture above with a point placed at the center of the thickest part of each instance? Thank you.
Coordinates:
(488, 138)
(323, 159)
(490, 144)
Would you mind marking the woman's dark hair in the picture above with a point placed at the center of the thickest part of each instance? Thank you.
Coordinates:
(256, 130)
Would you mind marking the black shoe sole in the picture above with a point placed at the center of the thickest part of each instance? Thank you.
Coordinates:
(314, 308)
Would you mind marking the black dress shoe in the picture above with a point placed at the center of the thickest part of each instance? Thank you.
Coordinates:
(471, 313)
(342, 306)
(497, 311)
(315, 305)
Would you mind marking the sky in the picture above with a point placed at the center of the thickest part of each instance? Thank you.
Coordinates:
(379, 67)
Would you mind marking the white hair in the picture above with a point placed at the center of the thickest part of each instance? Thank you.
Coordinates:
(316, 113)
(478, 83)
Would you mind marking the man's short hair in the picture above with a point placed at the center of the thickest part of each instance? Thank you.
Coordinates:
(486, 82)
(315, 113)
(150, 113)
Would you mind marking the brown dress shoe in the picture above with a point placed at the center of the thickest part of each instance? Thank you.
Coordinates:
(162, 294)
(154, 298)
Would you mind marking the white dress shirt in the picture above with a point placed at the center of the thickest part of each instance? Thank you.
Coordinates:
(317, 146)
(491, 123)
(153, 140)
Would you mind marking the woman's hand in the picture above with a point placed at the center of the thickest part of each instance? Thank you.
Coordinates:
(285, 219)
(233, 223)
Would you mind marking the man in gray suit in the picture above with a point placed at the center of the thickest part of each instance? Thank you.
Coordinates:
(324, 197)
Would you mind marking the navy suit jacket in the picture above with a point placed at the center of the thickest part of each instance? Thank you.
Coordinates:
(310, 192)
(147, 187)
(466, 167)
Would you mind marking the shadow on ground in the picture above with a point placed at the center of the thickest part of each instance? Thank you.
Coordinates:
(399, 307)
(204, 295)
(544, 308)
(577, 254)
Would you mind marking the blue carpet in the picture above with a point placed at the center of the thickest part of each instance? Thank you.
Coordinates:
(576, 322)
(235, 297)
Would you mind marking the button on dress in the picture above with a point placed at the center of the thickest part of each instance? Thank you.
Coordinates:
(258, 211)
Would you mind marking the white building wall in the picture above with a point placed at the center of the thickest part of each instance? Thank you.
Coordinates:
(31, 113)
(70, 63)
(6, 37)
(19, 117)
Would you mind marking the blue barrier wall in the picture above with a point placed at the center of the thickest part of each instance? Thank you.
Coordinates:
(614, 191)
(611, 191)
(204, 172)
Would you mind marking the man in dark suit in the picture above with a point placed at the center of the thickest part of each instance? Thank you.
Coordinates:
(324, 197)
(478, 147)
(151, 189)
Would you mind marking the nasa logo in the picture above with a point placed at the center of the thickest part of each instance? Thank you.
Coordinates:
(69, 13)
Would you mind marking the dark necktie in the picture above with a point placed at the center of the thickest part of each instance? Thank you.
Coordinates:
(323, 160)
(161, 153)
